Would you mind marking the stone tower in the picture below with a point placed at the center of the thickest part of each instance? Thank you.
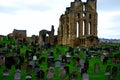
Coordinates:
(78, 26)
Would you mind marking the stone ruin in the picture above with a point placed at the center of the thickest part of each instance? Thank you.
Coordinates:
(78, 26)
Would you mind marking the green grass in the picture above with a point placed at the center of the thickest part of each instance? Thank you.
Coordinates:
(63, 49)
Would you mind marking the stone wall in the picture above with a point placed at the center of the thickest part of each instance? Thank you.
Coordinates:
(78, 23)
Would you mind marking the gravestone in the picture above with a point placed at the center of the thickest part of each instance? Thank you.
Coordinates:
(64, 59)
(50, 73)
(32, 63)
(40, 75)
(28, 77)
(21, 58)
(29, 68)
(105, 60)
(6, 72)
(34, 58)
(76, 62)
(57, 63)
(62, 72)
(68, 56)
(17, 75)
(60, 58)
(96, 68)
(108, 69)
(50, 62)
(9, 61)
(114, 71)
(85, 76)
(102, 58)
(81, 62)
(1, 61)
(67, 69)
(36, 69)
(73, 75)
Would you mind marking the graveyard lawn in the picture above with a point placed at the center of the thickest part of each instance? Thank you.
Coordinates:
(62, 49)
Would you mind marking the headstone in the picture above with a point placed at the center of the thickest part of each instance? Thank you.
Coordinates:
(32, 63)
(34, 57)
(96, 68)
(68, 56)
(21, 58)
(59, 57)
(85, 76)
(111, 77)
(6, 72)
(81, 62)
(36, 69)
(64, 59)
(101, 58)
(105, 60)
(29, 68)
(73, 75)
(17, 75)
(50, 73)
(67, 69)
(40, 75)
(114, 71)
(28, 77)
(108, 69)
(1, 61)
(57, 63)
(50, 62)
(62, 72)
(9, 61)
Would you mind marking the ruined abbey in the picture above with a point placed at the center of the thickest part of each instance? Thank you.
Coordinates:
(78, 25)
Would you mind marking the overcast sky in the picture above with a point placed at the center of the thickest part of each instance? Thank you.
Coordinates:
(35, 15)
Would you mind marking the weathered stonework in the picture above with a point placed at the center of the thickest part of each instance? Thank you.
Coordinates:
(19, 35)
(78, 26)
(43, 38)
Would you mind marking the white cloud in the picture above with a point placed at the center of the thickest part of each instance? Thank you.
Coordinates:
(108, 28)
(34, 15)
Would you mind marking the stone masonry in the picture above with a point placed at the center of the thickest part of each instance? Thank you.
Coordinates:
(78, 26)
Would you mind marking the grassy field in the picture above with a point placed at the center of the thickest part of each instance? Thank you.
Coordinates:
(43, 66)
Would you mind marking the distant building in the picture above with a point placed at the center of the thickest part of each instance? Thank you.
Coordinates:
(19, 35)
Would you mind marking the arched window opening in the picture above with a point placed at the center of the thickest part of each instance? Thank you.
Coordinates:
(77, 30)
(89, 28)
(83, 28)
(83, 7)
